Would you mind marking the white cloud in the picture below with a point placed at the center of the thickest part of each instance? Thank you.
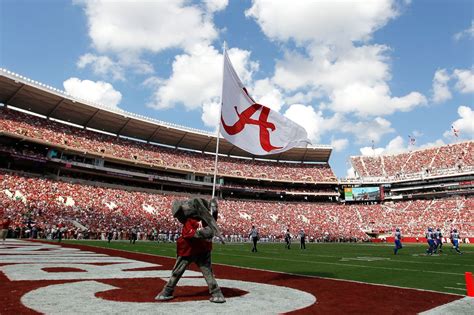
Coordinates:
(331, 69)
(266, 93)
(436, 143)
(125, 26)
(369, 151)
(465, 80)
(244, 67)
(194, 80)
(372, 100)
(313, 121)
(210, 114)
(465, 124)
(134, 63)
(197, 78)
(351, 173)
(303, 97)
(339, 144)
(316, 125)
(354, 82)
(307, 117)
(101, 65)
(367, 131)
(216, 5)
(464, 83)
(395, 146)
(106, 67)
(417, 133)
(292, 73)
(152, 82)
(127, 30)
(321, 21)
(469, 32)
(98, 92)
(353, 77)
(441, 91)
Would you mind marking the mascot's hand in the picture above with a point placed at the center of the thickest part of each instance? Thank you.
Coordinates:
(205, 233)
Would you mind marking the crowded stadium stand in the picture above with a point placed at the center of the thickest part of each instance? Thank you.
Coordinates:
(45, 203)
(14, 123)
(96, 170)
(53, 104)
(445, 159)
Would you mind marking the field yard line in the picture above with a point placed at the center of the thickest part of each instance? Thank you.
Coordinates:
(403, 261)
(275, 251)
(461, 289)
(350, 265)
(290, 273)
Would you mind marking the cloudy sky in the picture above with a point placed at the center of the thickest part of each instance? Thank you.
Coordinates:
(362, 76)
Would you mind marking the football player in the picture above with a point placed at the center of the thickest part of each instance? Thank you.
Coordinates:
(455, 241)
(398, 241)
(430, 240)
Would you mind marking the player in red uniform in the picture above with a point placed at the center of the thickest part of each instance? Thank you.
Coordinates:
(193, 246)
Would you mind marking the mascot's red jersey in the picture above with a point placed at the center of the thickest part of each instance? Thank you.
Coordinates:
(187, 245)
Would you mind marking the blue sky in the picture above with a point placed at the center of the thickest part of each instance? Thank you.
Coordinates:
(354, 74)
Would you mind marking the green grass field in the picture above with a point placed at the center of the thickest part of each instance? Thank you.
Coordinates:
(370, 263)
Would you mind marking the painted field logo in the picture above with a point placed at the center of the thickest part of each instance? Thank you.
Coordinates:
(92, 282)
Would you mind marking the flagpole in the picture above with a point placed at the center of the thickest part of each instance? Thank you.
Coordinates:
(219, 127)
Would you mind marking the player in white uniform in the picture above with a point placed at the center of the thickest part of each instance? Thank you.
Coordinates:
(455, 241)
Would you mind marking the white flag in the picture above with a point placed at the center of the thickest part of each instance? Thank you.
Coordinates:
(253, 127)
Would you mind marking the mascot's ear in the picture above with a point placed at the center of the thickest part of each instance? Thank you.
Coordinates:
(201, 205)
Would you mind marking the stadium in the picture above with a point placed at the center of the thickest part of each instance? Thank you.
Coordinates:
(96, 173)
(237, 157)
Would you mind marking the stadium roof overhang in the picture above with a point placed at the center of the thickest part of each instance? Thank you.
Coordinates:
(21, 92)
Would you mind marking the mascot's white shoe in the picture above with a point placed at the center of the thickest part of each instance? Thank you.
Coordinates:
(217, 299)
(164, 297)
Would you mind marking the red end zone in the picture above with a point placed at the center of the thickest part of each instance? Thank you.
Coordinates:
(47, 278)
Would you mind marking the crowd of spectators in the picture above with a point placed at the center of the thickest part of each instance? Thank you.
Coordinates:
(79, 139)
(452, 157)
(46, 204)
(43, 204)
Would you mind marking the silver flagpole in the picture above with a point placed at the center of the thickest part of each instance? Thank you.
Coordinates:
(219, 128)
